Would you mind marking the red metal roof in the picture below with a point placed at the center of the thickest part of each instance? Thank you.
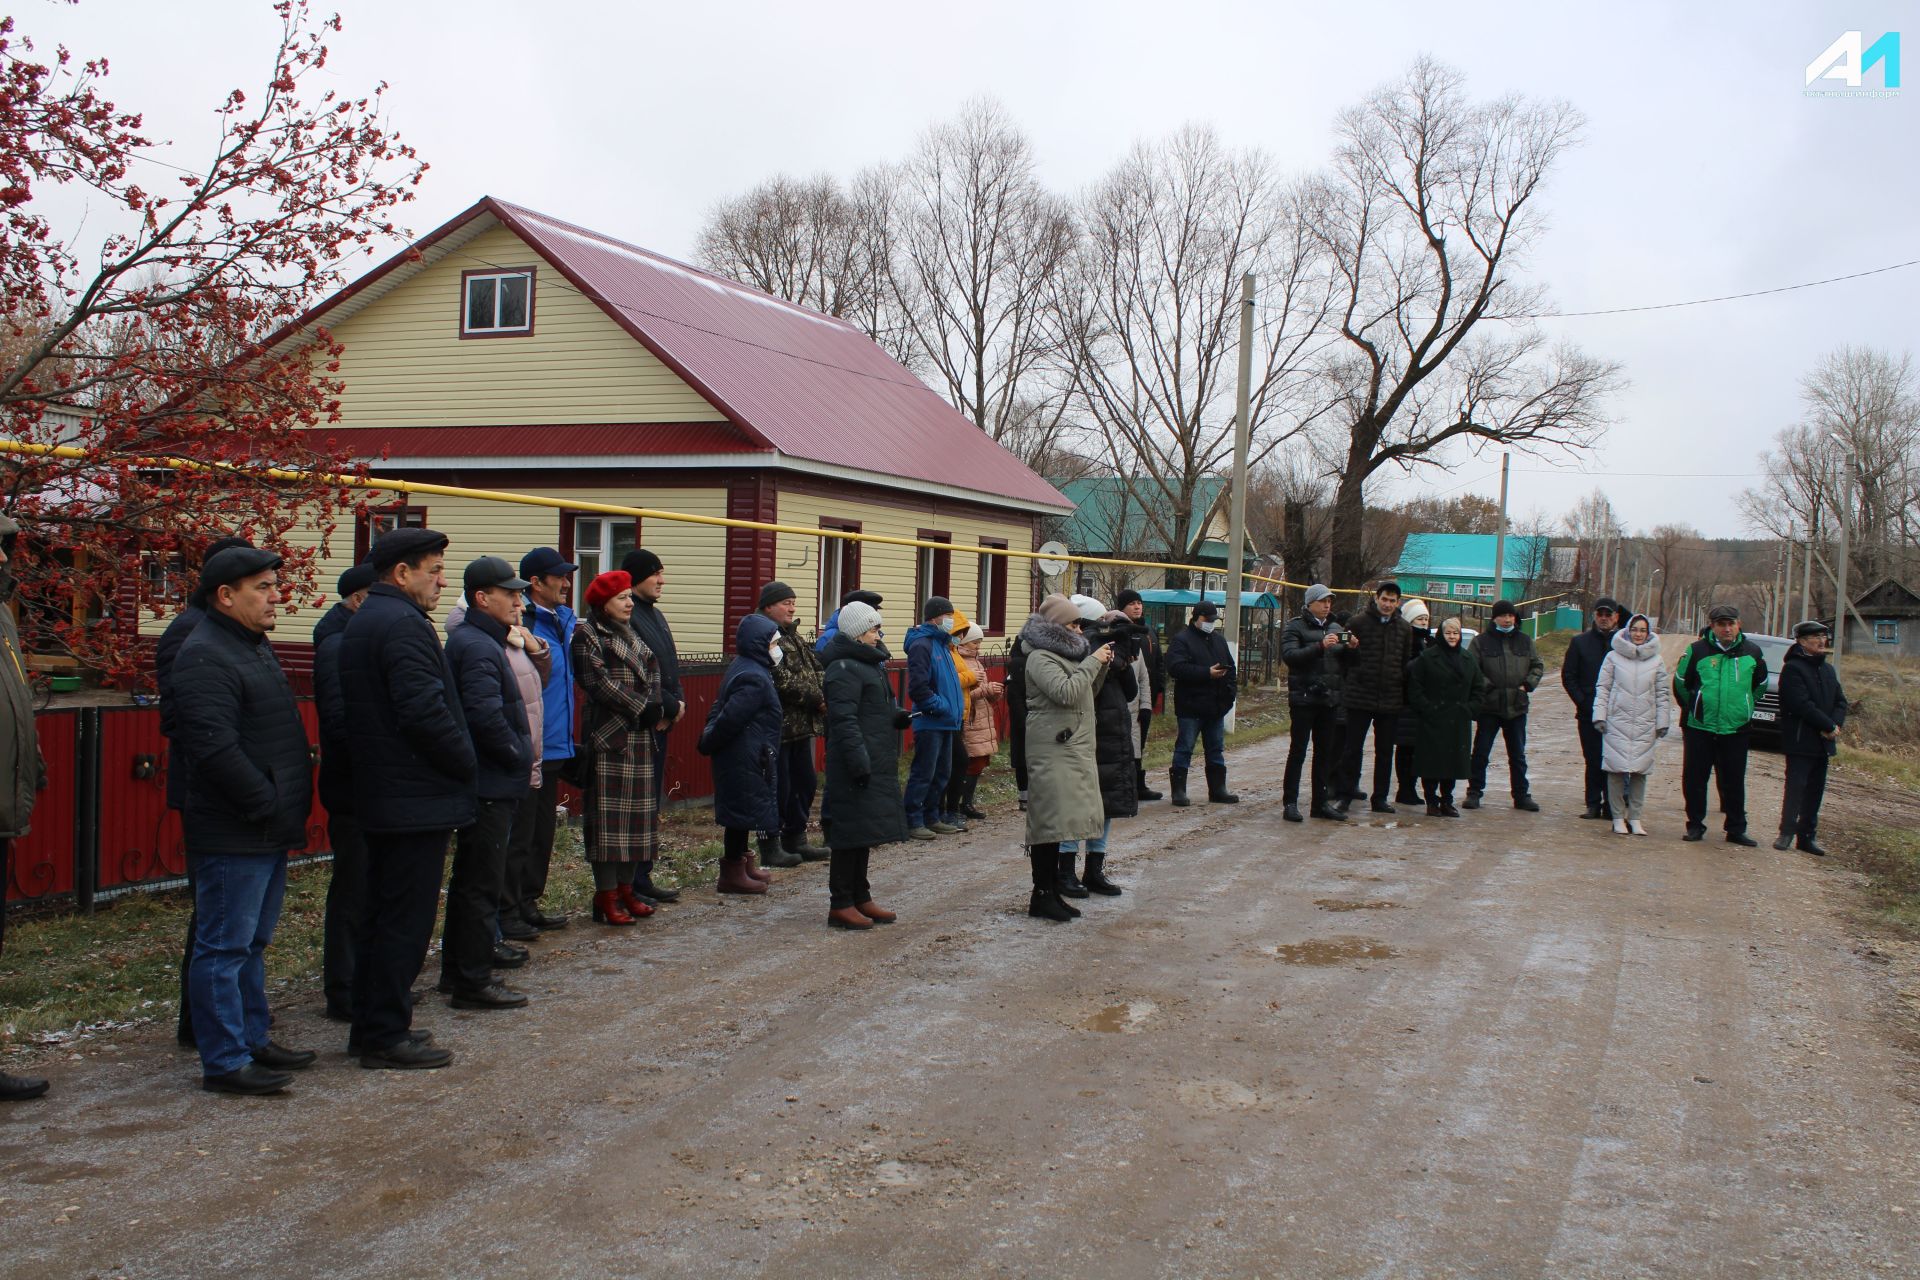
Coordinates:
(654, 439)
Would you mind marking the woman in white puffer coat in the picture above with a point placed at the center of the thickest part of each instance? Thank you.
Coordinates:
(1632, 711)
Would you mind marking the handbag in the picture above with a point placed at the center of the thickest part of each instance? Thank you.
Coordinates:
(577, 770)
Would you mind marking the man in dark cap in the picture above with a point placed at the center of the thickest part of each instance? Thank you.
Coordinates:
(347, 887)
(1813, 707)
(549, 617)
(22, 770)
(414, 785)
(1580, 677)
(1205, 687)
(164, 651)
(497, 724)
(1513, 670)
(857, 596)
(649, 584)
(1131, 603)
(933, 682)
(249, 789)
(1716, 683)
(799, 676)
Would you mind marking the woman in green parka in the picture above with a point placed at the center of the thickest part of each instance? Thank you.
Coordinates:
(1444, 687)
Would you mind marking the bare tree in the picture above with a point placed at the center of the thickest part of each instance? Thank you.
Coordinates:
(1290, 512)
(1595, 529)
(1431, 204)
(1153, 314)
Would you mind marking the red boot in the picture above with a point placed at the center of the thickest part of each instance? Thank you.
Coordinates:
(734, 878)
(637, 907)
(607, 908)
(751, 865)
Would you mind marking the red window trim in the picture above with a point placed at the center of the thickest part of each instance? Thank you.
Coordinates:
(363, 527)
(851, 580)
(533, 291)
(997, 568)
(942, 584)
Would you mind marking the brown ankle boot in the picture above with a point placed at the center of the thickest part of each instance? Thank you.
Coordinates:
(755, 870)
(848, 918)
(875, 912)
(734, 878)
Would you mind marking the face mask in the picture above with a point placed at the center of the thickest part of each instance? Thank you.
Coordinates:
(775, 653)
(946, 625)
(1503, 627)
(1207, 627)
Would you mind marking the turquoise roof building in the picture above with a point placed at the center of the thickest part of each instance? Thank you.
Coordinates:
(1458, 567)
(1131, 517)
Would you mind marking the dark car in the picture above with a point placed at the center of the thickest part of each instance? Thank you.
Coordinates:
(1765, 730)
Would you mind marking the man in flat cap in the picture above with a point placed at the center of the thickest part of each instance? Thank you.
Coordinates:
(649, 577)
(800, 678)
(1716, 683)
(1813, 708)
(502, 736)
(23, 771)
(249, 788)
(1580, 677)
(347, 886)
(550, 620)
(413, 786)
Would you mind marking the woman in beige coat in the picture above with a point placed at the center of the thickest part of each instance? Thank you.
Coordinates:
(979, 735)
(1063, 778)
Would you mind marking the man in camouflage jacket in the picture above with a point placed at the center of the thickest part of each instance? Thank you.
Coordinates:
(799, 676)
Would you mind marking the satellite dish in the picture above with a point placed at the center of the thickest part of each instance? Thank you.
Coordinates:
(1053, 559)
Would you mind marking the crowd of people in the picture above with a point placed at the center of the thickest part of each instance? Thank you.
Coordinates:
(432, 746)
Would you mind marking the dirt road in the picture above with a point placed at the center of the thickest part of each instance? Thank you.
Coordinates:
(1509, 1045)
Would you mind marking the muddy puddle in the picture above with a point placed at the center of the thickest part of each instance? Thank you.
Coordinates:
(1347, 904)
(1122, 1018)
(1331, 951)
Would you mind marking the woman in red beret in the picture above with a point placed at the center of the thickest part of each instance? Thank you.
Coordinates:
(621, 679)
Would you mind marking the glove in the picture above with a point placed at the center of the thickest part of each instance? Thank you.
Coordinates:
(1599, 726)
(902, 717)
(1660, 733)
(862, 779)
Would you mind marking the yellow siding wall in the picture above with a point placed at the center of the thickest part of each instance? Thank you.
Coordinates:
(890, 570)
(406, 364)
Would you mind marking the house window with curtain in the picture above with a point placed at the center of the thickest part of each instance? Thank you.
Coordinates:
(839, 567)
(600, 543)
(990, 606)
(933, 569)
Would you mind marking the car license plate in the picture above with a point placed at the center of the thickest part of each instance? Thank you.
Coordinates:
(1763, 715)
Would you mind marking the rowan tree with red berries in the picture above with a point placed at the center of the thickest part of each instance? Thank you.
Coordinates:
(170, 338)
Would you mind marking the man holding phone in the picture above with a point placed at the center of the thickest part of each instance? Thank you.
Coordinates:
(1204, 688)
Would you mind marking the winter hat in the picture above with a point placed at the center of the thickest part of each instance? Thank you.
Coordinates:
(971, 635)
(395, 545)
(1414, 607)
(1608, 603)
(1206, 609)
(235, 564)
(936, 607)
(1091, 610)
(774, 593)
(1059, 610)
(639, 565)
(357, 579)
(607, 586)
(857, 619)
(1319, 591)
(1504, 609)
(863, 597)
(1127, 597)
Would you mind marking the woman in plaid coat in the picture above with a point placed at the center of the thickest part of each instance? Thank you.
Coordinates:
(621, 679)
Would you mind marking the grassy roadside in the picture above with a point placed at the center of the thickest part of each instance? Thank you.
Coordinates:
(119, 967)
(1881, 740)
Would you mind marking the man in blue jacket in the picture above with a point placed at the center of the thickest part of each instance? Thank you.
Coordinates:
(503, 750)
(549, 578)
(414, 785)
(347, 886)
(249, 788)
(934, 685)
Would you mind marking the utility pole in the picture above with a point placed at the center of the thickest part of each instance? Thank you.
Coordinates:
(1242, 442)
(1633, 596)
(1806, 575)
(1786, 591)
(1842, 600)
(1500, 539)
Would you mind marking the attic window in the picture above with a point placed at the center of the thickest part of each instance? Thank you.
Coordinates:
(496, 303)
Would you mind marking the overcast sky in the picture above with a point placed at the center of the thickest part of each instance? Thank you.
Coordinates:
(1705, 170)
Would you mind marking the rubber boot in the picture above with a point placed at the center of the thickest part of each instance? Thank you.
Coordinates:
(1217, 792)
(1178, 777)
(1069, 884)
(1046, 902)
(1096, 879)
(734, 877)
(772, 854)
(797, 846)
(1140, 785)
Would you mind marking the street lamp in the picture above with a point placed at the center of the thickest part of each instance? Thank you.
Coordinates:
(1649, 609)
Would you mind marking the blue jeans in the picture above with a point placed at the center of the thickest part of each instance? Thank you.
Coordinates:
(1096, 845)
(1213, 732)
(236, 903)
(927, 776)
(1486, 728)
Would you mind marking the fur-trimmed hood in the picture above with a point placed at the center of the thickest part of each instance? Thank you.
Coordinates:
(1054, 638)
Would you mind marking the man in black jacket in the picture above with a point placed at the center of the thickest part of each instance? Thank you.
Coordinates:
(413, 787)
(1513, 670)
(165, 650)
(1580, 677)
(1134, 606)
(347, 886)
(1204, 689)
(649, 584)
(1310, 646)
(249, 789)
(1813, 707)
(502, 737)
(1379, 643)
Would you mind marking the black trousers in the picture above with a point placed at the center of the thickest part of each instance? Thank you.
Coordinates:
(1800, 801)
(1311, 727)
(473, 896)
(798, 782)
(403, 893)
(1437, 790)
(1724, 755)
(847, 877)
(530, 846)
(1146, 724)
(184, 1032)
(1486, 728)
(1591, 745)
(346, 911)
(1384, 725)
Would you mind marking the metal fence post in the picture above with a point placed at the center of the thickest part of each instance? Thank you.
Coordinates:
(86, 808)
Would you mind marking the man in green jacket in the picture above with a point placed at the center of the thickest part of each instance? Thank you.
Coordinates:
(1716, 683)
(1513, 670)
(22, 772)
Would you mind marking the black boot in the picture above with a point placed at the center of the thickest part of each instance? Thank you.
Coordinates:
(968, 809)
(1327, 813)
(797, 846)
(1046, 902)
(1217, 792)
(644, 886)
(1178, 777)
(773, 855)
(1292, 813)
(1070, 886)
(1140, 785)
(1096, 880)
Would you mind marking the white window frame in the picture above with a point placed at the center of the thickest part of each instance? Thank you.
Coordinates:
(1462, 590)
(466, 301)
(1438, 588)
(1486, 590)
(595, 555)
